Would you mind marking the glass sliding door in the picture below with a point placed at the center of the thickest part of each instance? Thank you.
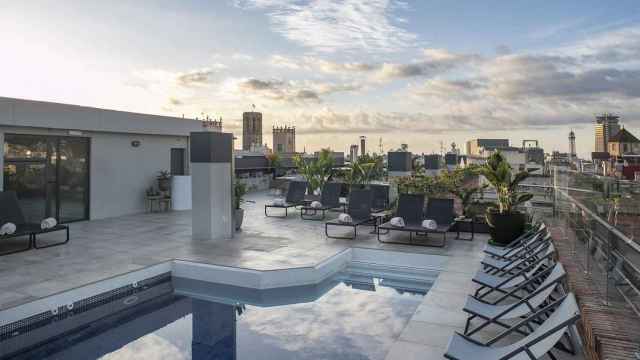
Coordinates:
(73, 178)
(50, 174)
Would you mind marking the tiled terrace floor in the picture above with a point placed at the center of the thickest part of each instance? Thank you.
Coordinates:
(104, 248)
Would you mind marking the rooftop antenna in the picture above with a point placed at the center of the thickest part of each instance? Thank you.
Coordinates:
(253, 106)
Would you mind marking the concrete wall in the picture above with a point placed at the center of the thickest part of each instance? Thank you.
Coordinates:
(120, 173)
(1, 159)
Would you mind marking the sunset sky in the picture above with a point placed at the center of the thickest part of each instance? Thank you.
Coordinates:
(416, 72)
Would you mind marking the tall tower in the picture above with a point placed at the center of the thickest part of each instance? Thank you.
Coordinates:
(353, 152)
(251, 129)
(363, 140)
(607, 125)
(284, 139)
(572, 145)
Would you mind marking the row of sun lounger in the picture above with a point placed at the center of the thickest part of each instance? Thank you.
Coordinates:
(521, 290)
(362, 204)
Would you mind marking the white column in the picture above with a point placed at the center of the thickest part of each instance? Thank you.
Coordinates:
(211, 185)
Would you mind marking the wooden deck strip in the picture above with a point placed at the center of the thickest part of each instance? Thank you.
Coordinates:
(609, 332)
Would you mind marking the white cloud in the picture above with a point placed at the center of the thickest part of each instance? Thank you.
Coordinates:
(333, 25)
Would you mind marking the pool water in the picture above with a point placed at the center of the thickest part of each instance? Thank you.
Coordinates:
(349, 316)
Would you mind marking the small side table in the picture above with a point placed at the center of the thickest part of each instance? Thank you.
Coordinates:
(461, 221)
(158, 199)
(379, 218)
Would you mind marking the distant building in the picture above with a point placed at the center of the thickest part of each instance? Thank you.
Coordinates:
(212, 124)
(572, 145)
(432, 162)
(363, 140)
(251, 130)
(338, 157)
(353, 153)
(623, 143)
(284, 139)
(607, 126)
(399, 163)
(476, 147)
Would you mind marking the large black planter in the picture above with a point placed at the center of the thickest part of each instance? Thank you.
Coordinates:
(504, 228)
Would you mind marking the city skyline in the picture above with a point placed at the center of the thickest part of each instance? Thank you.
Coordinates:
(403, 71)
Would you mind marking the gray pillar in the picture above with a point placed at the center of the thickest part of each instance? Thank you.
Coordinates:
(211, 185)
(214, 330)
(1, 160)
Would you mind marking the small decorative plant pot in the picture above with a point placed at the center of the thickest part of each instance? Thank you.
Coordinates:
(238, 217)
(164, 184)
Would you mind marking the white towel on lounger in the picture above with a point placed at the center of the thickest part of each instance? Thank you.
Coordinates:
(397, 222)
(316, 204)
(429, 224)
(345, 218)
(48, 223)
(278, 202)
(8, 229)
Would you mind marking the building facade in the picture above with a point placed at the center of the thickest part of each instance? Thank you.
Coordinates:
(251, 130)
(476, 147)
(284, 139)
(79, 163)
(607, 125)
(623, 143)
(363, 141)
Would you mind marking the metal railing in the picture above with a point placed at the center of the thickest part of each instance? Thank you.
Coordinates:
(598, 220)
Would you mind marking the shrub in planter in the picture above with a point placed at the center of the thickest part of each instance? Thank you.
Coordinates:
(505, 222)
(164, 180)
(239, 190)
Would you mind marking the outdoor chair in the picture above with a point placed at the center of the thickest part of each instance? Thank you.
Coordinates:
(294, 198)
(508, 266)
(511, 284)
(535, 345)
(411, 210)
(519, 251)
(505, 250)
(380, 197)
(360, 211)
(498, 314)
(11, 212)
(329, 199)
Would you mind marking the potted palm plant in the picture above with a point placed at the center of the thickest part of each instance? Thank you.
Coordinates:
(316, 172)
(505, 222)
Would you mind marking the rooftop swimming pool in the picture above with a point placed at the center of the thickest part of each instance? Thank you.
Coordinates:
(356, 313)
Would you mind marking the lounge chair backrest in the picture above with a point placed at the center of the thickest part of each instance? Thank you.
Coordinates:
(296, 191)
(360, 203)
(440, 210)
(411, 208)
(331, 194)
(380, 196)
(548, 285)
(543, 338)
(10, 210)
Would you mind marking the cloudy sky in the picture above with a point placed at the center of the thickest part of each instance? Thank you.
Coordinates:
(417, 72)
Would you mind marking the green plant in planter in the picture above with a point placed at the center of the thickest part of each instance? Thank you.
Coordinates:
(275, 162)
(505, 222)
(164, 180)
(239, 191)
(316, 172)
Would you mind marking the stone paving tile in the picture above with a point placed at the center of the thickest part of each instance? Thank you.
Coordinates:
(404, 350)
(434, 335)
